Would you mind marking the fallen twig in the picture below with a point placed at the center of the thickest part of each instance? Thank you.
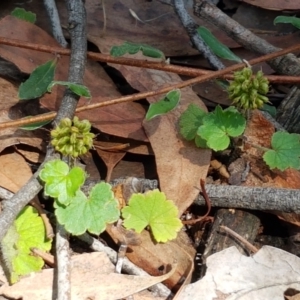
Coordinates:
(52, 12)
(246, 244)
(288, 64)
(138, 96)
(160, 289)
(188, 71)
(191, 28)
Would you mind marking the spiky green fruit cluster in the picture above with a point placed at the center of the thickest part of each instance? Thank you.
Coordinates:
(72, 137)
(249, 92)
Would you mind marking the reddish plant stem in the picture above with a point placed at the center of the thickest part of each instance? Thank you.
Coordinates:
(187, 71)
(138, 96)
(208, 204)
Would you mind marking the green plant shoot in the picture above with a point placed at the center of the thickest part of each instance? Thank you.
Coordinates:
(163, 106)
(76, 88)
(216, 46)
(36, 85)
(133, 48)
(23, 14)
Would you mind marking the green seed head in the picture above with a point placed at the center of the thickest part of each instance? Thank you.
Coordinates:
(247, 91)
(72, 138)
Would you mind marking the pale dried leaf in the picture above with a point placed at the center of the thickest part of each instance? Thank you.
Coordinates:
(266, 275)
(92, 277)
(151, 256)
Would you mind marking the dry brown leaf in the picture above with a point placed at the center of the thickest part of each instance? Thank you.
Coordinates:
(92, 277)
(121, 120)
(110, 159)
(134, 146)
(180, 164)
(14, 172)
(30, 153)
(9, 94)
(154, 257)
(13, 136)
(275, 4)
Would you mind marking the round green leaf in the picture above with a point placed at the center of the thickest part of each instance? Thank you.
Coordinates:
(285, 153)
(153, 209)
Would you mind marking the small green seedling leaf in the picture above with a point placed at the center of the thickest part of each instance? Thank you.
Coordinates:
(60, 182)
(163, 106)
(153, 209)
(133, 48)
(92, 213)
(216, 47)
(36, 85)
(35, 126)
(285, 153)
(27, 232)
(76, 88)
(23, 14)
(270, 109)
(221, 124)
(286, 19)
(190, 120)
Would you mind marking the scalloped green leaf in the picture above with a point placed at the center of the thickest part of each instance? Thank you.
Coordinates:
(216, 46)
(190, 120)
(27, 232)
(285, 153)
(37, 83)
(288, 19)
(219, 125)
(23, 14)
(163, 106)
(76, 88)
(153, 209)
(92, 213)
(61, 182)
(133, 48)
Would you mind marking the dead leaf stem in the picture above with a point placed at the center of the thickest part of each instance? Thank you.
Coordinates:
(239, 238)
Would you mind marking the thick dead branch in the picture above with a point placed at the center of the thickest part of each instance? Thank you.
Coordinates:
(77, 29)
